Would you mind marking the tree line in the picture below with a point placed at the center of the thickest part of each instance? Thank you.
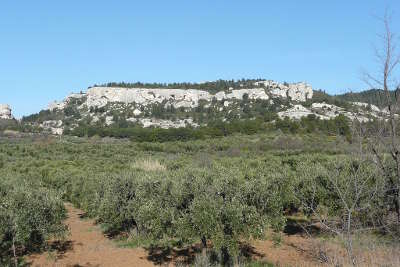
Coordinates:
(310, 124)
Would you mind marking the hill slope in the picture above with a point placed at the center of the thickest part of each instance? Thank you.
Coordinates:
(191, 105)
(375, 97)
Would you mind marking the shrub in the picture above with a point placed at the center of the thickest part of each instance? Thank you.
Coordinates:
(29, 215)
(148, 165)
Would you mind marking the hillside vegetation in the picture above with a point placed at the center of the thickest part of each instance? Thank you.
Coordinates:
(375, 97)
(222, 191)
(211, 86)
(165, 112)
(174, 169)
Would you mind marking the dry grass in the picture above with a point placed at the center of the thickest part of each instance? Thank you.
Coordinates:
(148, 165)
(302, 250)
(368, 251)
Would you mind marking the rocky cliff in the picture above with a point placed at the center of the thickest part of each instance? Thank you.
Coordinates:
(97, 97)
(174, 108)
(5, 112)
(168, 107)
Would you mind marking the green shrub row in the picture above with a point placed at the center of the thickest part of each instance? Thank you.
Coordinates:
(223, 191)
(29, 216)
(185, 206)
(310, 124)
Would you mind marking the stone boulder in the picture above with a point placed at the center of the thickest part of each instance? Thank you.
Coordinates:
(295, 91)
(296, 112)
(53, 126)
(300, 92)
(5, 112)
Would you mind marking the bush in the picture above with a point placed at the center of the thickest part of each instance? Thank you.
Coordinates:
(29, 215)
(186, 206)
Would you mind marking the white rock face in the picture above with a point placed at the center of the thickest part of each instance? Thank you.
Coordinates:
(109, 120)
(101, 96)
(257, 93)
(278, 92)
(56, 105)
(5, 112)
(366, 105)
(268, 84)
(52, 123)
(326, 111)
(57, 131)
(95, 119)
(220, 96)
(166, 124)
(324, 105)
(300, 92)
(61, 105)
(296, 112)
(140, 101)
(137, 112)
(54, 127)
(295, 91)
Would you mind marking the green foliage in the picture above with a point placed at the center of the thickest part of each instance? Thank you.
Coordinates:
(375, 97)
(185, 205)
(29, 215)
(337, 189)
(221, 191)
(321, 97)
(212, 86)
(139, 134)
(71, 111)
(311, 124)
(8, 124)
(336, 126)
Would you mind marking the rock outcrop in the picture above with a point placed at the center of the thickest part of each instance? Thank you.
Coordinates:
(5, 112)
(101, 104)
(296, 112)
(164, 124)
(53, 127)
(97, 97)
(190, 98)
(176, 108)
(296, 91)
(363, 112)
(61, 105)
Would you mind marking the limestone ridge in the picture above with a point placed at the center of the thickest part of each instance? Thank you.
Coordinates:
(175, 108)
(188, 98)
(5, 112)
(362, 112)
(101, 104)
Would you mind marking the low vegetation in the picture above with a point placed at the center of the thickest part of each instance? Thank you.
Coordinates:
(310, 124)
(30, 214)
(211, 86)
(174, 194)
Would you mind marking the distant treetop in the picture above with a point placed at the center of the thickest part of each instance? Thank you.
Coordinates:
(219, 85)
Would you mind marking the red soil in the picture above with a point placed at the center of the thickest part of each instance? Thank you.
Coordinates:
(87, 246)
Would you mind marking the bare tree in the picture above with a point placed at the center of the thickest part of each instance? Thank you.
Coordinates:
(357, 191)
(363, 185)
(384, 140)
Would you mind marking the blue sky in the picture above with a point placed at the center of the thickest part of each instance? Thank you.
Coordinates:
(51, 48)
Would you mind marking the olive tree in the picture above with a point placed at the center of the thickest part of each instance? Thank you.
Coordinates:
(29, 215)
(343, 198)
(224, 207)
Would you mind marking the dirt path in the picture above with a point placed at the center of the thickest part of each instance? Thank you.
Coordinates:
(87, 246)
